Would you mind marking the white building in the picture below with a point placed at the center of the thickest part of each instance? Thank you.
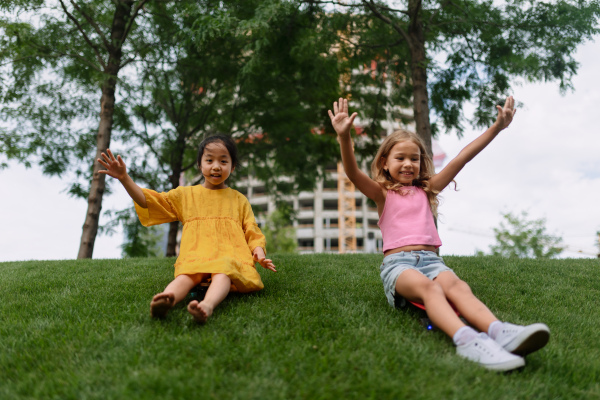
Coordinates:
(318, 215)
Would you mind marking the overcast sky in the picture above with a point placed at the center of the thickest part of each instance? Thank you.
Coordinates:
(546, 163)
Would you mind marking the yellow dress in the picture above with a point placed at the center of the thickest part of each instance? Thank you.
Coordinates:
(219, 231)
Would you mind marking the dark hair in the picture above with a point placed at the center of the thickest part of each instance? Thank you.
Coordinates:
(227, 141)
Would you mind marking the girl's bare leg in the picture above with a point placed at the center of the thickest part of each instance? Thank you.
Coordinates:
(216, 293)
(470, 307)
(415, 286)
(174, 292)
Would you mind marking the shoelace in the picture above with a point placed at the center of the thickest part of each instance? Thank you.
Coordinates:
(483, 348)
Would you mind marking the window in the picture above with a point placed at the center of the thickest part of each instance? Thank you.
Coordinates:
(306, 223)
(306, 204)
(329, 205)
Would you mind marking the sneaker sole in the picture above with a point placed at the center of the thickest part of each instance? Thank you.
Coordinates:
(533, 338)
(506, 366)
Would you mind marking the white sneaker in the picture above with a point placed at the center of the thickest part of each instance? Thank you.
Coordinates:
(523, 340)
(489, 354)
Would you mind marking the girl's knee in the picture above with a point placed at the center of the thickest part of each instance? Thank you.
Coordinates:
(433, 289)
(220, 277)
(458, 288)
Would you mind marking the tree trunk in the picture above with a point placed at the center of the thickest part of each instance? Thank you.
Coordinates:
(177, 168)
(419, 73)
(172, 243)
(107, 107)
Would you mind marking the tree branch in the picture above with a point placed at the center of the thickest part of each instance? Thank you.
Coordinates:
(171, 99)
(206, 113)
(335, 3)
(136, 10)
(436, 12)
(82, 59)
(128, 61)
(368, 46)
(85, 37)
(388, 21)
(394, 9)
(55, 55)
(183, 169)
(94, 25)
(148, 141)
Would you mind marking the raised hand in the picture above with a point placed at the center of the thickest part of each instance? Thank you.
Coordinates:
(115, 167)
(506, 113)
(339, 117)
(259, 256)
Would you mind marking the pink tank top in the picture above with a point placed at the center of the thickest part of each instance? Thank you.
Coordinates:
(407, 219)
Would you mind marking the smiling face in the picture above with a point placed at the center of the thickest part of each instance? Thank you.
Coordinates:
(403, 163)
(215, 165)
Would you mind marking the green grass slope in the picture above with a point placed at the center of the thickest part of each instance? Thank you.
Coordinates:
(321, 329)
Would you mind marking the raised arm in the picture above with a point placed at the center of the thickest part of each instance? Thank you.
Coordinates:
(342, 123)
(505, 117)
(116, 168)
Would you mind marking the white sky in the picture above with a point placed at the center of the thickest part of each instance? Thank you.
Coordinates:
(546, 163)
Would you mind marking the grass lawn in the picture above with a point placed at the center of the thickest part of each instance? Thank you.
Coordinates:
(321, 329)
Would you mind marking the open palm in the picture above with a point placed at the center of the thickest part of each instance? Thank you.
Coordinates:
(340, 119)
(115, 167)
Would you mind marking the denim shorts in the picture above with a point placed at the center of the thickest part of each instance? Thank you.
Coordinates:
(426, 262)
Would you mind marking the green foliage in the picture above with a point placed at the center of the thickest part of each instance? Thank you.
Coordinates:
(264, 72)
(141, 241)
(523, 238)
(374, 71)
(259, 71)
(321, 329)
(52, 73)
(475, 50)
(289, 78)
(488, 45)
(279, 233)
(254, 70)
(185, 90)
(138, 241)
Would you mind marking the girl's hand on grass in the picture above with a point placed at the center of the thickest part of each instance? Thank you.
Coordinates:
(259, 256)
(115, 167)
(339, 118)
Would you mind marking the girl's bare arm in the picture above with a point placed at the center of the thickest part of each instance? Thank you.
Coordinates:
(505, 115)
(342, 123)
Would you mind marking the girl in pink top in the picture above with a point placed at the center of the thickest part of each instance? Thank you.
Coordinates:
(405, 188)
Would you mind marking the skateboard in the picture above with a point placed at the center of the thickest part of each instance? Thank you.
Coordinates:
(419, 308)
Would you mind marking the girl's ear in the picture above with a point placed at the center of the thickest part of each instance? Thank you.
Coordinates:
(383, 163)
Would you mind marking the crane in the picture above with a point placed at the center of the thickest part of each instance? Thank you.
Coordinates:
(346, 212)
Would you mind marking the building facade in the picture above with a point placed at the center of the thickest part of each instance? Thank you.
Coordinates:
(319, 215)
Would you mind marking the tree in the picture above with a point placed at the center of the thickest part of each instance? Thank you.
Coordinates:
(139, 241)
(523, 238)
(54, 55)
(458, 51)
(257, 70)
(280, 235)
(247, 69)
(289, 78)
(185, 91)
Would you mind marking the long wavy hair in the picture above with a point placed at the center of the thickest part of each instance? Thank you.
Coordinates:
(427, 170)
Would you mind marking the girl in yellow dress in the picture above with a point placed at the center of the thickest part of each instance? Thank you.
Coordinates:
(220, 242)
